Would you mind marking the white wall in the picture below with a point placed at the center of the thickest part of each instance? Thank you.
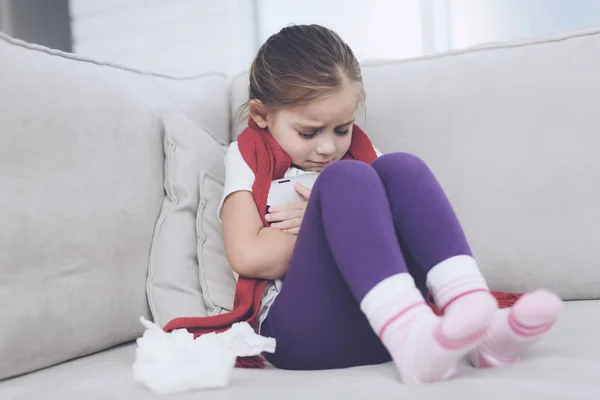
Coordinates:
(374, 29)
(194, 36)
(482, 21)
(37, 21)
(183, 37)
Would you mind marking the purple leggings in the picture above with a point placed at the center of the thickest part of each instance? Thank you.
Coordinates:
(363, 224)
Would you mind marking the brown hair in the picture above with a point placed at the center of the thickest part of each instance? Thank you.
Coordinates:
(299, 64)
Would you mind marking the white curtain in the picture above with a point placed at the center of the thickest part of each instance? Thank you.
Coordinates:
(482, 21)
(377, 29)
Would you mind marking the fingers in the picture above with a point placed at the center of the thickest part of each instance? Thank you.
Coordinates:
(299, 205)
(288, 224)
(284, 215)
(302, 190)
(288, 217)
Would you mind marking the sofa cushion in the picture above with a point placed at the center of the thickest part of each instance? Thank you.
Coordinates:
(511, 131)
(560, 367)
(81, 172)
(188, 274)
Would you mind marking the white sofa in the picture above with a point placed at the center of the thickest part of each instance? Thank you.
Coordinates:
(511, 130)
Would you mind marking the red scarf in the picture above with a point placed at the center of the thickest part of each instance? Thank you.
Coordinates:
(268, 161)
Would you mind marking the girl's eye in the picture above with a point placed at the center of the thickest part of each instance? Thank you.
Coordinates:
(308, 135)
(311, 135)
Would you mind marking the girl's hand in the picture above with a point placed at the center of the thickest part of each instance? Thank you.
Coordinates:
(289, 216)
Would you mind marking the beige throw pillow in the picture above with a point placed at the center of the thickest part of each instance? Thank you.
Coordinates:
(189, 275)
(216, 276)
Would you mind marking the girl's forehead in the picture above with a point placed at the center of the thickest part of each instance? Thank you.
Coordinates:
(340, 106)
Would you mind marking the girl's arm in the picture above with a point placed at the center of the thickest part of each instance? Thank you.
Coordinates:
(253, 250)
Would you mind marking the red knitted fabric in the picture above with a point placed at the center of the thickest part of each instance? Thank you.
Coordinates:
(504, 299)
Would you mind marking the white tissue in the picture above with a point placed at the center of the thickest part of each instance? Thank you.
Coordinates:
(176, 362)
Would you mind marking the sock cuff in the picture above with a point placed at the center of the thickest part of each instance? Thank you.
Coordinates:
(454, 276)
(388, 290)
(453, 268)
(393, 301)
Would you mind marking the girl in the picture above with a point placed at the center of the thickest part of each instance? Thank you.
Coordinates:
(348, 269)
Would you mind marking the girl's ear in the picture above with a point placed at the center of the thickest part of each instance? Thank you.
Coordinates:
(258, 112)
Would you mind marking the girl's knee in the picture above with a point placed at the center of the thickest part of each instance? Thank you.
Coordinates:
(347, 171)
(401, 164)
(399, 159)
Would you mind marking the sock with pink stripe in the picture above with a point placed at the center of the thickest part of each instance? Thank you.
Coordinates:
(461, 293)
(424, 347)
(516, 329)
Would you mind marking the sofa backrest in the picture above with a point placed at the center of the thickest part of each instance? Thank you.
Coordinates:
(511, 131)
(81, 186)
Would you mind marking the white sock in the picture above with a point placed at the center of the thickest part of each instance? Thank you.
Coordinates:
(461, 293)
(420, 343)
(514, 330)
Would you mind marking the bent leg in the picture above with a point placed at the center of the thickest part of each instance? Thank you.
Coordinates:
(348, 290)
(437, 251)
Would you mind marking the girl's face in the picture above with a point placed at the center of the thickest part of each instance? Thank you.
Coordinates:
(316, 134)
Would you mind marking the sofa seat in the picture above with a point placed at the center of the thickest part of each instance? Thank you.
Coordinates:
(563, 366)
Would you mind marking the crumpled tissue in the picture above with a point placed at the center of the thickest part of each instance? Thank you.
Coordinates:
(176, 362)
